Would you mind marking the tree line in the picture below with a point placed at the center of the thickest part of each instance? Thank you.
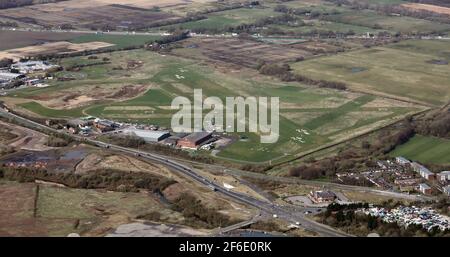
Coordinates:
(435, 123)
(108, 179)
(284, 72)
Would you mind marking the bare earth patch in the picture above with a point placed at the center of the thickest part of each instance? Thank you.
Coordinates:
(26, 139)
(96, 161)
(129, 108)
(51, 48)
(428, 7)
(82, 96)
(138, 229)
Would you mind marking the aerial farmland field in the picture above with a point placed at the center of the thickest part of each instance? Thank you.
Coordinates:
(87, 14)
(220, 20)
(311, 117)
(224, 118)
(437, 150)
(402, 24)
(400, 70)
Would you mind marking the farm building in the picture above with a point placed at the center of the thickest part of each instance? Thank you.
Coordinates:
(148, 135)
(425, 189)
(194, 140)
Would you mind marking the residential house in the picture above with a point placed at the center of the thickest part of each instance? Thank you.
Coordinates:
(425, 189)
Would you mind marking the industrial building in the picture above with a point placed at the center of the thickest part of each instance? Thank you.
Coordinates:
(194, 140)
(32, 66)
(149, 136)
(104, 125)
(7, 77)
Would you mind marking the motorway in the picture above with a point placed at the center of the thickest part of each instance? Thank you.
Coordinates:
(293, 216)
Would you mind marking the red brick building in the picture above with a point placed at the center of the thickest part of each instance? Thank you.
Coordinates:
(194, 140)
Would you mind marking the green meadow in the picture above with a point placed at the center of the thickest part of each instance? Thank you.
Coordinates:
(119, 41)
(311, 117)
(425, 149)
(220, 20)
(399, 70)
(402, 24)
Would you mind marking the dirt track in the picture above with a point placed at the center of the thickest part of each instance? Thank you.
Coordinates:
(27, 139)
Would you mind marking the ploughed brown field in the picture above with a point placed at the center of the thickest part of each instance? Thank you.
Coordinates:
(17, 39)
(428, 7)
(51, 48)
(88, 14)
(245, 52)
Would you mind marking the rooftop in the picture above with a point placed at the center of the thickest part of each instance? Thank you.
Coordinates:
(403, 159)
(147, 133)
(197, 136)
(422, 168)
(424, 186)
(9, 75)
(324, 194)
